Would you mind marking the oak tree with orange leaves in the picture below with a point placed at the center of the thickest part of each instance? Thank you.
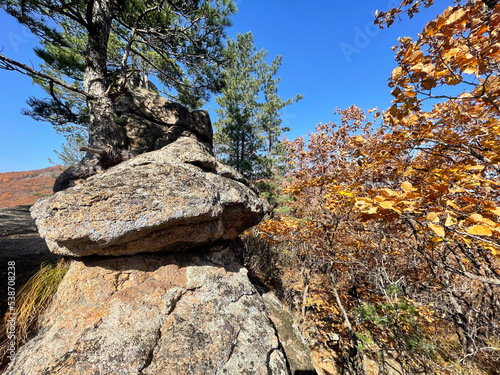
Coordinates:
(403, 212)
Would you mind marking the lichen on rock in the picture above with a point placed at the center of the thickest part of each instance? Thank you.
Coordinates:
(156, 285)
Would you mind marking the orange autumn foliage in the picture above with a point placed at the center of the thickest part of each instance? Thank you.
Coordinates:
(21, 188)
(411, 199)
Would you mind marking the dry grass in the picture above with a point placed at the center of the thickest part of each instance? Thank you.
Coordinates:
(31, 301)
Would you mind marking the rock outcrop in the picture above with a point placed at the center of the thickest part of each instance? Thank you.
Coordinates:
(147, 122)
(166, 200)
(156, 285)
(160, 314)
(151, 122)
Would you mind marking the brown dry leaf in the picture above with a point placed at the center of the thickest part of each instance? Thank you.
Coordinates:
(452, 204)
(471, 70)
(452, 80)
(431, 28)
(408, 187)
(433, 217)
(417, 56)
(460, 15)
(476, 218)
(396, 73)
(428, 68)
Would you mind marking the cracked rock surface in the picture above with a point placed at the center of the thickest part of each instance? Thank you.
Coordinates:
(173, 313)
(172, 199)
(156, 284)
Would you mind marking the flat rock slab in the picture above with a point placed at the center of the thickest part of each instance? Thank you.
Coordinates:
(167, 200)
(155, 314)
(16, 220)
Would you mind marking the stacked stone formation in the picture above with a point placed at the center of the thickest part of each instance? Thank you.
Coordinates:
(170, 296)
(171, 199)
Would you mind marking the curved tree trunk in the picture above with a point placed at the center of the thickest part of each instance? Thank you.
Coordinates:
(353, 357)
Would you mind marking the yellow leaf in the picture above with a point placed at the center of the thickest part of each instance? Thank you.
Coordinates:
(433, 216)
(438, 229)
(471, 70)
(345, 193)
(450, 220)
(408, 187)
(428, 68)
(479, 230)
(475, 167)
(387, 204)
(390, 192)
(452, 204)
(492, 248)
(476, 218)
(496, 211)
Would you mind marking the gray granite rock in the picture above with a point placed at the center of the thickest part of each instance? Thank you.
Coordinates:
(165, 200)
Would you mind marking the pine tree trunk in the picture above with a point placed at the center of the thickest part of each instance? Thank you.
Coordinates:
(104, 133)
(106, 137)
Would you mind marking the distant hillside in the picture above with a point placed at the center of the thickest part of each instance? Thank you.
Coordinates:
(17, 188)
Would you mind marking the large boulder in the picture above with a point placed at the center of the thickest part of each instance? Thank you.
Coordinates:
(152, 121)
(182, 313)
(165, 200)
(146, 122)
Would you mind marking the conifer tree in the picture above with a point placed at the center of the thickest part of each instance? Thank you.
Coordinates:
(91, 46)
(249, 124)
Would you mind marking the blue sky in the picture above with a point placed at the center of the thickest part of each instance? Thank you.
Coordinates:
(333, 55)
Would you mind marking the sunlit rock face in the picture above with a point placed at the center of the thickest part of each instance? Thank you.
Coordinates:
(156, 314)
(156, 285)
(172, 199)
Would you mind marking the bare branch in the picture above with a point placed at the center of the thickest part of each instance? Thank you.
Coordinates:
(92, 150)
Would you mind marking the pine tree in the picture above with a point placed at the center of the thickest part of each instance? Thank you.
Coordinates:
(249, 126)
(174, 40)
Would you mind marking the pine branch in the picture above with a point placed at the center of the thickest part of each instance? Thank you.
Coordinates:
(9, 64)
